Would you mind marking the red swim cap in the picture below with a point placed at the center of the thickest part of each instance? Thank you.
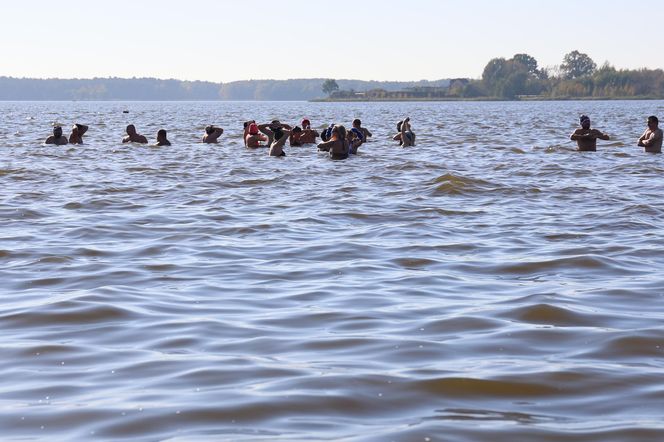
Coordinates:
(253, 129)
(306, 122)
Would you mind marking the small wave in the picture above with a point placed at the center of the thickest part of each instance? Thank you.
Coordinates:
(552, 315)
(451, 184)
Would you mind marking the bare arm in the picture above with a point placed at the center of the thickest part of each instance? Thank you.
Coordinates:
(654, 137)
(326, 146)
(265, 128)
(82, 129)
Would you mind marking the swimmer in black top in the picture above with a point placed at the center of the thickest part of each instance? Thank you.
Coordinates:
(57, 138)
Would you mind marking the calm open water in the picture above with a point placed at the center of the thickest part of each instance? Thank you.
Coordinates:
(490, 283)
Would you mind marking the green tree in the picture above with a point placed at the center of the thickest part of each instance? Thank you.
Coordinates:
(577, 65)
(330, 86)
(527, 61)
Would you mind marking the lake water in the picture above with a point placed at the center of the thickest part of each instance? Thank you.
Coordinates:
(490, 283)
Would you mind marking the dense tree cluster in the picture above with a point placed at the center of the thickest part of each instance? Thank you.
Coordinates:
(576, 77)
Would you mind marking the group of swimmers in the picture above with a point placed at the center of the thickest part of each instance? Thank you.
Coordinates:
(586, 138)
(336, 140)
(339, 142)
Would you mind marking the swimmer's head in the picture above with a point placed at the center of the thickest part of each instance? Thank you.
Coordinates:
(275, 124)
(653, 120)
(253, 129)
(297, 129)
(161, 134)
(209, 129)
(57, 131)
(306, 124)
(584, 120)
(339, 131)
(357, 122)
(131, 129)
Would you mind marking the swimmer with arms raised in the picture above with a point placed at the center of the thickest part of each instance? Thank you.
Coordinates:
(308, 135)
(277, 135)
(585, 137)
(405, 137)
(212, 134)
(252, 137)
(77, 132)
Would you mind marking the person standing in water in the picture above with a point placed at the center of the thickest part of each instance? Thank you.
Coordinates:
(212, 134)
(585, 137)
(133, 136)
(252, 137)
(161, 138)
(57, 138)
(357, 124)
(651, 139)
(277, 135)
(308, 135)
(337, 144)
(405, 137)
(77, 132)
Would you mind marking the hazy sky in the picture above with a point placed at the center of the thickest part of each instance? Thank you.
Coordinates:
(360, 39)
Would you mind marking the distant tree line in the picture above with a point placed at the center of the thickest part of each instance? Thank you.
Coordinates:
(520, 77)
(141, 89)
(146, 89)
(576, 77)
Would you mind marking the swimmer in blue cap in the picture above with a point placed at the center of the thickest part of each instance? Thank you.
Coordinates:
(585, 137)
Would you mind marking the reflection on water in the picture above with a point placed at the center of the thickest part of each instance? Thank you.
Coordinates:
(489, 283)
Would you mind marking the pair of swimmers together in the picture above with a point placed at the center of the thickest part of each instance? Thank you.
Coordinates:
(75, 137)
(586, 138)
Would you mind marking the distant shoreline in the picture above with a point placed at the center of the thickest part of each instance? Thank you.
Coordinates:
(453, 99)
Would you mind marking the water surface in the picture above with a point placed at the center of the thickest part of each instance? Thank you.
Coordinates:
(489, 283)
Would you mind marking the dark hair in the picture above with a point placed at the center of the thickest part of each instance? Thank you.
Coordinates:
(57, 131)
(161, 133)
(210, 129)
(357, 121)
(278, 133)
(653, 119)
(297, 129)
(399, 124)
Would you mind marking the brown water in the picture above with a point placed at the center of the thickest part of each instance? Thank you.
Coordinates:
(488, 284)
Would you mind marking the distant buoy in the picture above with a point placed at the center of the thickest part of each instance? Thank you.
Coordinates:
(125, 112)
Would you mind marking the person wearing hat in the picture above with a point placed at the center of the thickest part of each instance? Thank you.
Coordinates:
(212, 134)
(308, 135)
(57, 138)
(585, 137)
(277, 135)
(77, 132)
(252, 137)
(651, 139)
